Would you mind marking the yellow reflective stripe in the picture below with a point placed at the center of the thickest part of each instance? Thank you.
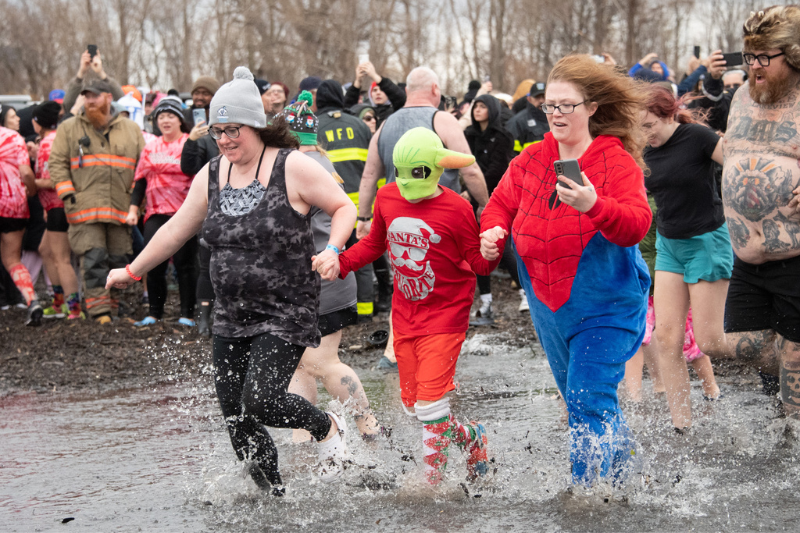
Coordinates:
(518, 147)
(381, 182)
(365, 308)
(347, 154)
(354, 196)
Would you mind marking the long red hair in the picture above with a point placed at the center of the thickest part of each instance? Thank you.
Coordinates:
(619, 98)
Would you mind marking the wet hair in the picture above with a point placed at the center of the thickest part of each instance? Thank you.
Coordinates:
(663, 104)
(619, 99)
(277, 134)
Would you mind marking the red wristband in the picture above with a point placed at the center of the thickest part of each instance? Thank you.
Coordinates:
(131, 274)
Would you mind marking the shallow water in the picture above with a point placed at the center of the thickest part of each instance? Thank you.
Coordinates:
(159, 459)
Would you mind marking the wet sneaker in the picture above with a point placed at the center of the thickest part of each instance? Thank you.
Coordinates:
(35, 314)
(478, 459)
(146, 321)
(523, 304)
(483, 316)
(333, 452)
(103, 319)
(54, 312)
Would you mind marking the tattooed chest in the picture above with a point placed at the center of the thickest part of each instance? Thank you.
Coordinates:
(781, 134)
(755, 186)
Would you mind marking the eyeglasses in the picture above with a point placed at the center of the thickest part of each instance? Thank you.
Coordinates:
(368, 117)
(763, 59)
(564, 109)
(231, 131)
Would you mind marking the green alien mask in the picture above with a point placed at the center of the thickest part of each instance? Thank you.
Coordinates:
(419, 159)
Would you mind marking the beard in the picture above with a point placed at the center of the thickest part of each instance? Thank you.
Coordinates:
(776, 85)
(99, 114)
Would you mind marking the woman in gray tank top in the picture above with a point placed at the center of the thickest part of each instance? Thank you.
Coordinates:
(257, 224)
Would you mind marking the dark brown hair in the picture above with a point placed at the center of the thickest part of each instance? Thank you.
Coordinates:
(619, 100)
(278, 135)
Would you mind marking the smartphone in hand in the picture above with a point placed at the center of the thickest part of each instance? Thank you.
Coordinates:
(567, 170)
(199, 115)
(733, 59)
(92, 49)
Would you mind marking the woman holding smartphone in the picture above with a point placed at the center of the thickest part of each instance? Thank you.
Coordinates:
(579, 262)
(694, 257)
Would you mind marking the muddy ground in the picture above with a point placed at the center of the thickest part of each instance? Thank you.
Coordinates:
(67, 355)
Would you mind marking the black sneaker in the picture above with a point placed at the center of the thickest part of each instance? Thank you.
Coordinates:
(35, 314)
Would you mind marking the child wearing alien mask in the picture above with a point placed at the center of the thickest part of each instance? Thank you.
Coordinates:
(433, 243)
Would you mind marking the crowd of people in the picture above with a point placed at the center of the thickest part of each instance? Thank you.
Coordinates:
(676, 240)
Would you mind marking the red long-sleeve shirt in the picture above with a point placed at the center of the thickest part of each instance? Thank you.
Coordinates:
(550, 241)
(435, 253)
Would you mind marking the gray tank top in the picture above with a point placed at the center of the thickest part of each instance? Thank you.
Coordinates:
(261, 264)
(395, 126)
(341, 293)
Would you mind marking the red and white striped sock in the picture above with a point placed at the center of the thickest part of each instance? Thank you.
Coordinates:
(436, 437)
(22, 279)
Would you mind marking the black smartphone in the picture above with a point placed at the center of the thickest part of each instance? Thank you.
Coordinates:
(92, 49)
(697, 52)
(570, 169)
(733, 59)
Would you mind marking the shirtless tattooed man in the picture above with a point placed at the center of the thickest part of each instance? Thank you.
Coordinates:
(761, 195)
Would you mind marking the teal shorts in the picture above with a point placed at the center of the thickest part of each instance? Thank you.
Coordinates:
(707, 257)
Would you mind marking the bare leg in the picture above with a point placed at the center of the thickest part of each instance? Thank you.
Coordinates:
(338, 379)
(651, 360)
(702, 365)
(757, 348)
(633, 375)
(60, 253)
(790, 376)
(389, 351)
(303, 384)
(671, 303)
(48, 258)
(708, 314)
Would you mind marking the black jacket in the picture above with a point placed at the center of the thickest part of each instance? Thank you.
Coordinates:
(197, 153)
(493, 147)
(396, 95)
(528, 127)
(718, 108)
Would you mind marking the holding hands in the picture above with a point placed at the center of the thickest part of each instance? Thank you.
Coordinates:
(489, 249)
(327, 264)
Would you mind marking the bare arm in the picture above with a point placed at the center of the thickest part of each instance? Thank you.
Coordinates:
(172, 235)
(373, 170)
(453, 138)
(717, 155)
(28, 178)
(310, 183)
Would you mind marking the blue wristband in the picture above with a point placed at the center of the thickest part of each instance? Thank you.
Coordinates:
(332, 247)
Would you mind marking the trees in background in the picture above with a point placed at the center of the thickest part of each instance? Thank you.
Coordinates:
(167, 44)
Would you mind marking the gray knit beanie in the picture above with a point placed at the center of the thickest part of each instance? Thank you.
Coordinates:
(238, 102)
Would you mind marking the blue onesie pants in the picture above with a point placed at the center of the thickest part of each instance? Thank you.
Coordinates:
(587, 342)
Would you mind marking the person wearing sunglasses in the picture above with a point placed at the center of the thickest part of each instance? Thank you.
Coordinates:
(761, 199)
(578, 259)
(252, 204)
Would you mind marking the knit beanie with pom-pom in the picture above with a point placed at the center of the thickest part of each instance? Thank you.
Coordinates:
(238, 102)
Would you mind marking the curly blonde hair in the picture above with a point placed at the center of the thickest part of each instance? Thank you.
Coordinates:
(619, 98)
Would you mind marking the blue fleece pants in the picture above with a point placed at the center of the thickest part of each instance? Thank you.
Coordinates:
(587, 342)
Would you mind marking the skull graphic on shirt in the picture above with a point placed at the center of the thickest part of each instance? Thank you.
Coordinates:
(409, 242)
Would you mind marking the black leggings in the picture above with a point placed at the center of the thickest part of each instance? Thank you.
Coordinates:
(205, 291)
(252, 375)
(185, 261)
(509, 262)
